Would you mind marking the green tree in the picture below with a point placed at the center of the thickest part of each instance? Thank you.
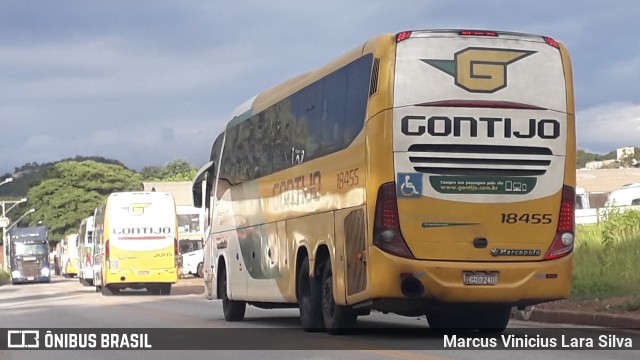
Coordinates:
(72, 190)
(583, 157)
(177, 170)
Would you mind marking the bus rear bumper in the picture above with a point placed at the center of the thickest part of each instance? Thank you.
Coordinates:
(517, 283)
(140, 278)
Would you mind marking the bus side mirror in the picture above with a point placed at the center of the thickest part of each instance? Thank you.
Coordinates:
(203, 175)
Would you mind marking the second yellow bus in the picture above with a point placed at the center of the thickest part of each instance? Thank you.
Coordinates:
(137, 238)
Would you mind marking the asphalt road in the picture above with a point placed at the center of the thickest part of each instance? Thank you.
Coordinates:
(265, 334)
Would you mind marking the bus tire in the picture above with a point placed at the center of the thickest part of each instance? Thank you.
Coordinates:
(338, 319)
(494, 318)
(164, 289)
(233, 310)
(309, 300)
(108, 290)
(487, 318)
(200, 271)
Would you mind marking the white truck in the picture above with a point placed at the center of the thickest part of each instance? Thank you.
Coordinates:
(591, 207)
(192, 252)
(191, 233)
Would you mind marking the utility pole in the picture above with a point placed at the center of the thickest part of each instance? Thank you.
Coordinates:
(4, 223)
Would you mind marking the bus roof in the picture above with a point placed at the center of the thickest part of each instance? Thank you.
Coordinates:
(29, 233)
(284, 89)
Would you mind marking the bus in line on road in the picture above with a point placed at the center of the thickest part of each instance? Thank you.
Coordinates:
(136, 234)
(422, 173)
(69, 255)
(85, 251)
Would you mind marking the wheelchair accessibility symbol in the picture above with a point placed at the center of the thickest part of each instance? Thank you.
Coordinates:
(409, 185)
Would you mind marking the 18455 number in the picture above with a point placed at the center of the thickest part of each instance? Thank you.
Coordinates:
(348, 178)
(514, 218)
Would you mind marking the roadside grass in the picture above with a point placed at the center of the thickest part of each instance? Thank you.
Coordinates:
(4, 277)
(632, 304)
(607, 259)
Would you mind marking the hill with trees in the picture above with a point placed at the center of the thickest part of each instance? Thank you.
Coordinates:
(65, 192)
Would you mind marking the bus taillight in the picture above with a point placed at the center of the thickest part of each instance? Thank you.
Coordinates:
(106, 250)
(551, 42)
(563, 242)
(477, 33)
(403, 36)
(386, 228)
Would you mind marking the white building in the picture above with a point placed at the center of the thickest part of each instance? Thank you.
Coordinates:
(624, 152)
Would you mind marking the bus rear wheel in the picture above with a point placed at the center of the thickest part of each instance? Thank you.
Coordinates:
(233, 310)
(488, 318)
(165, 289)
(338, 319)
(160, 289)
(109, 290)
(309, 301)
(494, 319)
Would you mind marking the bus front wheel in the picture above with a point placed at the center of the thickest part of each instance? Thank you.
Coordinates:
(338, 319)
(233, 310)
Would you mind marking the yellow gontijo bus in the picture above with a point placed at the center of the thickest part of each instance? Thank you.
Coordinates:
(136, 237)
(69, 255)
(427, 172)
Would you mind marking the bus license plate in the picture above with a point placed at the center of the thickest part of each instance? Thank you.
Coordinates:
(143, 272)
(480, 277)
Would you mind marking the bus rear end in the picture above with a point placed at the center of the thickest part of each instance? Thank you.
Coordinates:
(141, 248)
(481, 212)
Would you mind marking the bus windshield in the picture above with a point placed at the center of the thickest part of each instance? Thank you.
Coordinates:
(20, 249)
(189, 222)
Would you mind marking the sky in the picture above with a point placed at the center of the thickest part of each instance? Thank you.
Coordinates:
(149, 82)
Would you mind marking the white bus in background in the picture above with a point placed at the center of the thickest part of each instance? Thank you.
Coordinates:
(191, 234)
(85, 251)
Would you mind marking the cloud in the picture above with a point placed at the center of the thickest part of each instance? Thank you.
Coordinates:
(606, 127)
(110, 67)
(155, 81)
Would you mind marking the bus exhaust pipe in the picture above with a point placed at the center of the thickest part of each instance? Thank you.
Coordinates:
(411, 287)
